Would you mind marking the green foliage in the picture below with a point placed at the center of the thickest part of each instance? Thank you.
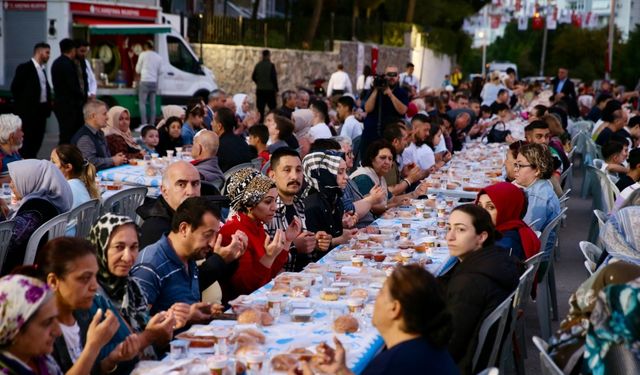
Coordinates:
(627, 68)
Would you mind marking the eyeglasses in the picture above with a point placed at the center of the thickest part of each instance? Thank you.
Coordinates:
(517, 166)
(392, 74)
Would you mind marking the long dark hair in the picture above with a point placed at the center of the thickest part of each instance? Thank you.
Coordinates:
(481, 221)
(423, 305)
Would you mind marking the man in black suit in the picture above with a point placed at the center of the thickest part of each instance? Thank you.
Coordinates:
(69, 95)
(563, 89)
(32, 95)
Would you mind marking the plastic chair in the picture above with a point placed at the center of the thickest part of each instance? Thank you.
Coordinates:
(265, 167)
(53, 228)
(257, 163)
(547, 298)
(547, 366)
(531, 224)
(591, 254)
(601, 217)
(125, 202)
(84, 216)
(563, 203)
(490, 371)
(534, 263)
(498, 316)
(6, 231)
(566, 178)
(621, 361)
(598, 163)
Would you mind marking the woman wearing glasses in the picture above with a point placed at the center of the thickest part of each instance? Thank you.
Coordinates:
(533, 168)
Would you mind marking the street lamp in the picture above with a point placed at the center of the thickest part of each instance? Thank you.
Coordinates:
(481, 35)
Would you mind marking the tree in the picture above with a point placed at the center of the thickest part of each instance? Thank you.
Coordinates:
(313, 24)
(411, 8)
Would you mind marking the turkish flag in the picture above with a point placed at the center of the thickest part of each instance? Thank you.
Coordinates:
(537, 23)
(576, 19)
(374, 59)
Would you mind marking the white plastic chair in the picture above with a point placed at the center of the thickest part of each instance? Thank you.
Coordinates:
(498, 316)
(125, 202)
(84, 216)
(53, 228)
(547, 366)
(547, 301)
(566, 178)
(602, 218)
(490, 371)
(591, 254)
(534, 263)
(6, 231)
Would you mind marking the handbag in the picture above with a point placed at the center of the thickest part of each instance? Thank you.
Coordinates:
(496, 135)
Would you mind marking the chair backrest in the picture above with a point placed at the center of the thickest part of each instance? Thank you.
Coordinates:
(591, 252)
(498, 316)
(546, 232)
(601, 216)
(6, 230)
(490, 371)
(565, 197)
(125, 202)
(53, 228)
(523, 291)
(84, 216)
(265, 167)
(566, 173)
(257, 163)
(598, 163)
(572, 152)
(533, 223)
(547, 366)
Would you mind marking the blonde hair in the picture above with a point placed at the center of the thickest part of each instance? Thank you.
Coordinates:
(539, 157)
(81, 168)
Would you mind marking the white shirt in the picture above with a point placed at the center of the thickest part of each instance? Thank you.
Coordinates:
(43, 80)
(92, 89)
(319, 131)
(339, 81)
(422, 156)
(149, 66)
(71, 336)
(441, 146)
(411, 80)
(364, 83)
(351, 128)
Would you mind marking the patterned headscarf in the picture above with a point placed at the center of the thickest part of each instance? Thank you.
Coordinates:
(20, 298)
(321, 171)
(123, 291)
(113, 126)
(246, 188)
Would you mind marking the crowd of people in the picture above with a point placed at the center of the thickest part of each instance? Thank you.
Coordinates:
(329, 168)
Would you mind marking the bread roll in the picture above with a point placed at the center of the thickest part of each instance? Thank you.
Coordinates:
(345, 324)
(283, 362)
(250, 316)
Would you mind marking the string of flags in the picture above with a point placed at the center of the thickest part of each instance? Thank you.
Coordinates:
(555, 16)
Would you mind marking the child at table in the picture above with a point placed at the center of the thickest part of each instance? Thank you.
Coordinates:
(258, 138)
(150, 139)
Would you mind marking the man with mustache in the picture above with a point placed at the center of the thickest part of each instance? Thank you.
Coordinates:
(286, 171)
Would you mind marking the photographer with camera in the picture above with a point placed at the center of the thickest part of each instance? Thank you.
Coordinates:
(386, 104)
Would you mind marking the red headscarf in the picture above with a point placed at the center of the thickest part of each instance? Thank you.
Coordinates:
(510, 204)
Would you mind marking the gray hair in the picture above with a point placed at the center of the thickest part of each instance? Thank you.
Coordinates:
(288, 94)
(92, 107)
(343, 140)
(9, 124)
(215, 94)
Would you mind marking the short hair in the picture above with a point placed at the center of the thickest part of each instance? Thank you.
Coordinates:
(485, 109)
(420, 117)
(460, 96)
(539, 156)
(539, 110)
(280, 153)
(340, 66)
(9, 124)
(347, 101)
(191, 212)
(633, 122)
(266, 53)
(481, 221)
(474, 101)
(288, 94)
(609, 111)
(323, 144)
(215, 94)
(343, 140)
(227, 118)
(261, 132)
(410, 65)
(81, 43)
(66, 45)
(634, 158)
(373, 150)
(148, 44)
(497, 107)
(284, 125)
(92, 107)
(393, 131)
(612, 148)
(511, 70)
(537, 124)
(321, 107)
(603, 98)
(41, 45)
(514, 148)
(194, 108)
(502, 91)
(146, 130)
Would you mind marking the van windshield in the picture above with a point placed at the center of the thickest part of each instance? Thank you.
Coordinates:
(180, 57)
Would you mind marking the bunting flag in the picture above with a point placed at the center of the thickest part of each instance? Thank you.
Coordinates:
(552, 24)
(523, 23)
(576, 19)
(495, 21)
(564, 16)
(538, 22)
(590, 20)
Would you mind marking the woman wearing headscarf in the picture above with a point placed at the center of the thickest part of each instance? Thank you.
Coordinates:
(253, 199)
(118, 134)
(43, 193)
(507, 205)
(326, 175)
(116, 241)
(242, 105)
(169, 111)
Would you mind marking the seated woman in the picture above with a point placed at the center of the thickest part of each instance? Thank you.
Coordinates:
(80, 174)
(280, 132)
(510, 160)
(376, 163)
(43, 193)
(433, 140)
(69, 266)
(116, 241)
(170, 135)
(533, 169)
(412, 318)
(29, 328)
(253, 198)
(118, 134)
(484, 276)
(325, 172)
(193, 123)
(507, 205)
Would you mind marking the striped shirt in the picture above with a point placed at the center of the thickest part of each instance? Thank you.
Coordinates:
(163, 277)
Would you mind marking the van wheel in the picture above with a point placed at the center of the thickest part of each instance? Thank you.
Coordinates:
(203, 94)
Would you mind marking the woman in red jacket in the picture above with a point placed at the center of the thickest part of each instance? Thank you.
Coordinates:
(253, 199)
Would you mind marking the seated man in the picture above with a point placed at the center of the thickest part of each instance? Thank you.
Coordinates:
(205, 159)
(633, 175)
(615, 154)
(11, 136)
(166, 270)
(91, 140)
(233, 149)
(258, 139)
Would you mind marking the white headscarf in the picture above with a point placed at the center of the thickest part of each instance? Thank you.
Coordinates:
(239, 99)
(35, 178)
